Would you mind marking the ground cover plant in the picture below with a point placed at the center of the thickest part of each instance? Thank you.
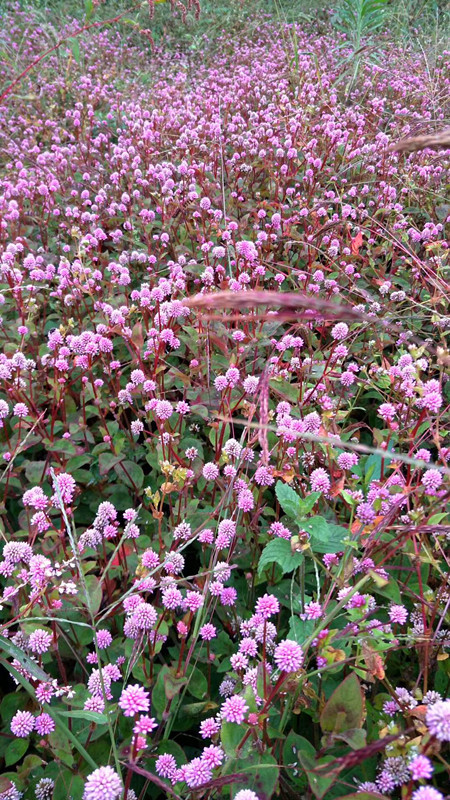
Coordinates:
(223, 404)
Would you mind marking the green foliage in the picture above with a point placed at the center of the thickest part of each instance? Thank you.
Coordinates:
(292, 504)
(360, 18)
(325, 536)
(259, 772)
(344, 710)
(360, 21)
(279, 551)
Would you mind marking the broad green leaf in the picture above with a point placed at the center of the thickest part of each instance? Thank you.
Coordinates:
(130, 473)
(78, 461)
(355, 737)
(172, 684)
(294, 742)
(174, 749)
(62, 446)
(344, 710)
(106, 461)
(300, 629)
(159, 700)
(326, 537)
(95, 592)
(288, 500)
(15, 750)
(197, 709)
(307, 757)
(197, 684)
(307, 503)
(372, 468)
(288, 593)
(9, 705)
(68, 785)
(89, 716)
(260, 771)
(231, 735)
(75, 48)
(279, 551)
(34, 471)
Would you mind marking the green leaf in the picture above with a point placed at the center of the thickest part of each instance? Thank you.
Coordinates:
(89, 716)
(15, 750)
(355, 737)
(69, 785)
(75, 48)
(307, 503)
(88, 9)
(9, 705)
(261, 774)
(292, 745)
(326, 537)
(344, 710)
(300, 629)
(372, 468)
(197, 709)
(29, 764)
(95, 592)
(78, 461)
(307, 757)
(197, 684)
(172, 684)
(288, 593)
(174, 749)
(159, 700)
(34, 471)
(106, 461)
(61, 446)
(288, 500)
(231, 735)
(279, 551)
(130, 473)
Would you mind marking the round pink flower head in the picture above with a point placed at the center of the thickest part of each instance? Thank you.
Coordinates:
(102, 784)
(39, 641)
(163, 409)
(133, 700)
(288, 656)
(166, 766)
(420, 767)
(22, 724)
(196, 773)
(44, 724)
(12, 792)
(210, 471)
(438, 720)
(209, 727)
(104, 638)
(427, 793)
(234, 709)
(432, 480)
(339, 331)
(320, 481)
(267, 605)
(398, 614)
(246, 794)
